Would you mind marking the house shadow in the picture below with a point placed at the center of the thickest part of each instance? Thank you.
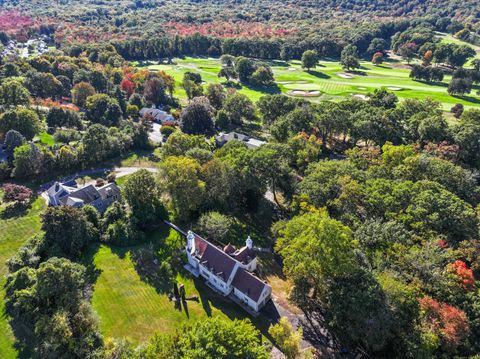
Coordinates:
(211, 299)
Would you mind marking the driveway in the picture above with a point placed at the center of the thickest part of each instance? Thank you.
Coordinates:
(155, 135)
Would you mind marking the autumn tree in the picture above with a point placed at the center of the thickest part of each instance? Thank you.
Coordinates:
(377, 58)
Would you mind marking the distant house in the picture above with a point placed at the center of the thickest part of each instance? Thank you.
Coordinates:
(223, 138)
(157, 115)
(228, 271)
(69, 194)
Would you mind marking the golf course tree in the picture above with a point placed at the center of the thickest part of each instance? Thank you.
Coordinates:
(453, 55)
(228, 67)
(309, 59)
(349, 58)
(426, 73)
(192, 84)
(460, 86)
(408, 51)
(377, 58)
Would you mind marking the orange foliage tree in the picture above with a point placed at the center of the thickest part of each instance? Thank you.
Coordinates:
(448, 323)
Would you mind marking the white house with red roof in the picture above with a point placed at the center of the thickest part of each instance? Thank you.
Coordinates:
(229, 270)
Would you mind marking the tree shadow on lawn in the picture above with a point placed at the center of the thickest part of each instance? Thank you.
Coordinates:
(358, 72)
(16, 210)
(470, 99)
(319, 74)
(270, 90)
(437, 84)
(92, 272)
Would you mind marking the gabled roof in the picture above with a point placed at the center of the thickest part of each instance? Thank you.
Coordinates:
(229, 249)
(217, 261)
(248, 284)
(87, 194)
(110, 189)
(244, 255)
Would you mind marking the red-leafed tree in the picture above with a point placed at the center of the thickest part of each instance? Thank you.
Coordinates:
(16, 193)
(448, 323)
(127, 86)
(465, 274)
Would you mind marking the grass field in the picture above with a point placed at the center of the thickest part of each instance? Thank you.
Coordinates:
(327, 82)
(131, 306)
(13, 233)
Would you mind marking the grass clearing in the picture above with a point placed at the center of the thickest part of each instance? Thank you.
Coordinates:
(14, 233)
(130, 306)
(325, 78)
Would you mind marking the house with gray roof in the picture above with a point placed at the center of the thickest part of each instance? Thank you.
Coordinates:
(157, 115)
(224, 138)
(228, 270)
(69, 194)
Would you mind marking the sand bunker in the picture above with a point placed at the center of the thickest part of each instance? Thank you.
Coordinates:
(292, 69)
(362, 88)
(303, 93)
(394, 88)
(345, 75)
(361, 97)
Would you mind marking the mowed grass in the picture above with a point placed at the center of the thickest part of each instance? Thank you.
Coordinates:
(14, 232)
(327, 79)
(129, 307)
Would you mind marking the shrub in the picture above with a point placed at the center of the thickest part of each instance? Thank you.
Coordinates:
(16, 193)
(167, 131)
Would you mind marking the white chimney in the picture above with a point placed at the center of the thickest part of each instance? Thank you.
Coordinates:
(249, 243)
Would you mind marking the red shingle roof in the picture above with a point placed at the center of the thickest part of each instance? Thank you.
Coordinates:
(244, 255)
(248, 284)
(217, 261)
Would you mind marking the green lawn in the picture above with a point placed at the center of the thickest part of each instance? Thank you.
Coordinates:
(327, 79)
(131, 306)
(13, 233)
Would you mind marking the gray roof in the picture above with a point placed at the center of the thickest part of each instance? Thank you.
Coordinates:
(87, 194)
(110, 189)
(249, 141)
